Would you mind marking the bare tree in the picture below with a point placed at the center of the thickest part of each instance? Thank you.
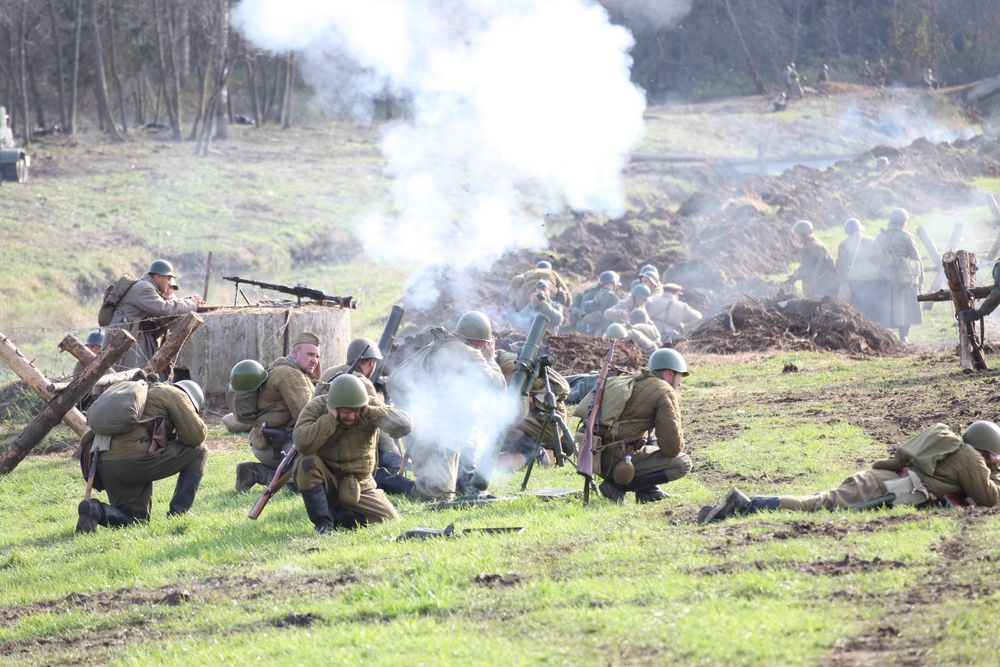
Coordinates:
(75, 75)
(100, 81)
(119, 93)
(60, 74)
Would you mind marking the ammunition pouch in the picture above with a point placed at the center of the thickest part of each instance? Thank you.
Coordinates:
(348, 491)
(276, 438)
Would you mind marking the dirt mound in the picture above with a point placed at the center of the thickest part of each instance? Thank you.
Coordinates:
(752, 324)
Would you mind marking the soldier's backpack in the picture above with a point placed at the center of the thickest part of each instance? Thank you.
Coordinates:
(119, 408)
(113, 295)
(926, 449)
(584, 303)
(243, 404)
(617, 391)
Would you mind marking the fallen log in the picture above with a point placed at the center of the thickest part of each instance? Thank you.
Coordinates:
(80, 351)
(945, 294)
(103, 381)
(37, 382)
(179, 333)
(57, 408)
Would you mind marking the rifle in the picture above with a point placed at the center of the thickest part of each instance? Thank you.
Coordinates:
(525, 373)
(284, 471)
(585, 461)
(299, 291)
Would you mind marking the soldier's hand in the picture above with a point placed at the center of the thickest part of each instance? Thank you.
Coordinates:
(196, 298)
(317, 371)
(490, 349)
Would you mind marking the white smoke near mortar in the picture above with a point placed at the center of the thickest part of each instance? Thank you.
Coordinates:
(518, 108)
(650, 14)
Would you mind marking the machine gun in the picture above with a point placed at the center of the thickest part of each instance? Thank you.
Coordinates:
(299, 291)
(552, 419)
(525, 373)
(585, 461)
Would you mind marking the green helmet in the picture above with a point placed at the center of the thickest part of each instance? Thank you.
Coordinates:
(640, 292)
(247, 375)
(161, 267)
(803, 228)
(95, 338)
(667, 358)
(474, 325)
(607, 278)
(852, 225)
(649, 269)
(347, 391)
(638, 316)
(616, 331)
(194, 392)
(898, 218)
(543, 265)
(358, 347)
(983, 435)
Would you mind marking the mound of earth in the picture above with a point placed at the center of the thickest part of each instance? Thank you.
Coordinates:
(752, 324)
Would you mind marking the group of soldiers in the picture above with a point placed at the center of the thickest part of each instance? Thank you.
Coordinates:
(880, 276)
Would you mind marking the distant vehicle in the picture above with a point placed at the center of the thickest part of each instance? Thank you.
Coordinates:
(14, 162)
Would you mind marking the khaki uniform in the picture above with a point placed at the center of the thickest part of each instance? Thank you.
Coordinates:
(671, 315)
(646, 336)
(386, 445)
(990, 303)
(341, 458)
(652, 409)
(590, 317)
(903, 274)
(816, 269)
(963, 472)
(549, 309)
(146, 315)
(128, 469)
(529, 429)
(620, 311)
(285, 392)
(446, 387)
(522, 286)
(858, 258)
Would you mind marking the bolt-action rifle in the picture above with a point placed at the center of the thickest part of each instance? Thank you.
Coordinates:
(298, 291)
(585, 461)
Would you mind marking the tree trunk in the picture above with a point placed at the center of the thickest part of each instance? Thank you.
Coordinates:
(60, 74)
(100, 81)
(22, 77)
(36, 95)
(252, 88)
(184, 28)
(167, 70)
(222, 112)
(75, 77)
(286, 97)
(751, 67)
(119, 94)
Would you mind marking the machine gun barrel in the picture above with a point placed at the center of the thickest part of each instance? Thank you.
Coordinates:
(299, 291)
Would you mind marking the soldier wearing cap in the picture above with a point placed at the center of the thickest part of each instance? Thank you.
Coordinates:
(644, 445)
(589, 306)
(541, 302)
(336, 436)
(902, 274)
(94, 343)
(858, 269)
(523, 286)
(146, 311)
(284, 389)
(816, 267)
(671, 316)
(622, 310)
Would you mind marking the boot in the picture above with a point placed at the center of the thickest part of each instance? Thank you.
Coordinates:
(395, 484)
(250, 474)
(185, 489)
(646, 489)
(347, 519)
(93, 513)
(735, 502)
(318, 509)
(761, 503)
(612, 491)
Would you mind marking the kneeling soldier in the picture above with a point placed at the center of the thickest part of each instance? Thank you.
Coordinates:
(336, 436)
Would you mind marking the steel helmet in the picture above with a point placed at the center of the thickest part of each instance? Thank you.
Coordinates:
(667, 358)
(357, 347)
(247, 375)
(607, 278)
(474, 325)
(649, 269)
(161, 267)
(638, 316)
(803, 228)
(194, 392)
(615, 331)
(543, 265)
(95, 338)
(898, 217)
(347, 391)
(983, 435)
(852, 225)
(640, 292)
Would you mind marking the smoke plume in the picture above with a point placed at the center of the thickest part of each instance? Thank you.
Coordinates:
(650, 14)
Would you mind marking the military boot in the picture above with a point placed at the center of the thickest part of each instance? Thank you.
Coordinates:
(613, 492)
(250, 474)
(185, 489)
(646, 489)
(760, 503)
(347, 519)
(391, 483)
(318, 510)
(735, 502)
(93, 513)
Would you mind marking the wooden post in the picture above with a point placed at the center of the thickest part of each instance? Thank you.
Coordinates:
(73, 345)
(960, 269)
(52, 413)
(37, 382)
(103, 381)
(953, 241)
(179, 332)
(208, 275)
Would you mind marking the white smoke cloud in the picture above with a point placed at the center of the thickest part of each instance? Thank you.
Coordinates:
(519, 108)
(651, 14)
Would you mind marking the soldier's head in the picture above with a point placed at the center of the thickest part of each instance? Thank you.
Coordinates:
(95, 341)
(668, 365)
(162, 273)
(347, 399)
(672, 289)
(852, 226)
(543, 291)
(650, 280)
(194, 392)
(475, 329)
(609, 280)
(802, 229)
(984, 436)
(898, 218)
(305, 352)
(638, 316)
(640, 294)
(367, 350)
(544, 264)
(247, 375)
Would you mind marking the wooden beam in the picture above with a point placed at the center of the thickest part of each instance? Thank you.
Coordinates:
(960, 269)
(54, 411)
(104, 380)
(37, 382)
(179, 333)
(945, 294)
(80, 351)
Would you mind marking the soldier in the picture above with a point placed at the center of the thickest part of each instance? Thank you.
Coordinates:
(824, 74)
(642, 331)
(542, 302)
(284, 389)
(94, 343)
(522, 286)
(990, 303)
(902, 272)
(778, 103)
(671, 316)
(389, 459)
(930, 83)
(644, 445)
(793, 85)
(621, 311)
(336, 437)
(145, 311)
(588, 310)
(857, 270)
(932, 465)
(523, 439)
(447, 386)
(816, 267)
(128, 464)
